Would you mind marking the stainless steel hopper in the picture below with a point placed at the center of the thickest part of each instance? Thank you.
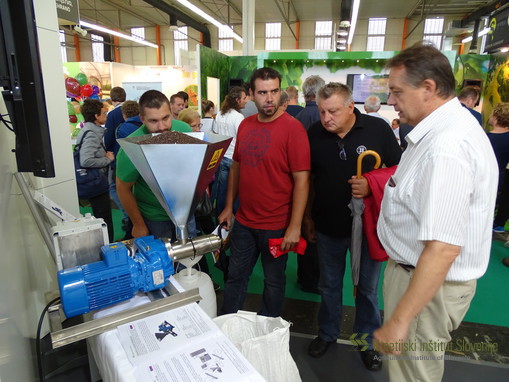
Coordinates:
(177, 174)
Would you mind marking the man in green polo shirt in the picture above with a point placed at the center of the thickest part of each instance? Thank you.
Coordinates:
(140, 203)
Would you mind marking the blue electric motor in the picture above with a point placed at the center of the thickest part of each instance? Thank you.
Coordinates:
(116, 278)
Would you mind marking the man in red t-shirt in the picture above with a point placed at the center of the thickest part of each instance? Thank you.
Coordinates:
(270, 175)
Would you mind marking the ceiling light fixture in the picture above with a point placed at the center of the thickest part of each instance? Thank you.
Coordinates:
(173, 23)
(355, 14)
(118, 34)
(225, 28)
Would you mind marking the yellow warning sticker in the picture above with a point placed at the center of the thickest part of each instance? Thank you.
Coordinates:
(215, 159)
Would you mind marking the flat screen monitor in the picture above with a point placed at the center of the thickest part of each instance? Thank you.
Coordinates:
(22, 88)
(364, 85)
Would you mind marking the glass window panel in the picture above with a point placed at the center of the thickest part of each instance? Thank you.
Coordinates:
(323, 43)
(323, 28)
(63, 50)
(180, 33)
(138, 33)
(375, 43)
(178, 45)
(272, 30)
(226, 45)
(223, 33)
(272, 44)
(433, 26)
(97, 48)
(435, 39)
(377, 26)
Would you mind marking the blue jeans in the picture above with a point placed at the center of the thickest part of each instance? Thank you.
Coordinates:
(332, 256)
(246, 244)
(220, 186)
(114, 195)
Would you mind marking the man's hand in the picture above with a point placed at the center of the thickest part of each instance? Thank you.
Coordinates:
(291, 238)
(226, 216)
(110, 155)
(140, 230)
(360, 187)
(308, 229)
(389, 335)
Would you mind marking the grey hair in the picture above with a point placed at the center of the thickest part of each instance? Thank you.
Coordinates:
(340, 89)
(311, 86)
(372, 104)
(284, 97)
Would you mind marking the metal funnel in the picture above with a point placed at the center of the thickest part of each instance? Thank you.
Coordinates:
(177, 174)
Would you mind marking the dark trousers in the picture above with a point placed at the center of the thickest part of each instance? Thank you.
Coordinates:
(503, 201)
(246, 245)
(101, 208)
(308, 268)
(332, 254)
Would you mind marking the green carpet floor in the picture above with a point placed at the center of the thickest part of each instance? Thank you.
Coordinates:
(490, 305)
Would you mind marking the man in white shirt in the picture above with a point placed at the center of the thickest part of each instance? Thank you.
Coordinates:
(436, 216)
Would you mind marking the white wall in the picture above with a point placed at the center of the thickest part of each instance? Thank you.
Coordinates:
(27, 271)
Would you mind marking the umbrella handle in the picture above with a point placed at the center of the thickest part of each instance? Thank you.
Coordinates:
(361, 157)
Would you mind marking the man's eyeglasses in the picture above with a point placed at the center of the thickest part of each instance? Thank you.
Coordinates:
(342, 152)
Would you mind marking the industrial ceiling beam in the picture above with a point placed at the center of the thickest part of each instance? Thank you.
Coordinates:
(286, 17)
(483, 11)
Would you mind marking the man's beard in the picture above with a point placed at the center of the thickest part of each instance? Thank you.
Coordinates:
(267, 113)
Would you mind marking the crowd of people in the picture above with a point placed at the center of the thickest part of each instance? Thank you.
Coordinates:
(289, 173)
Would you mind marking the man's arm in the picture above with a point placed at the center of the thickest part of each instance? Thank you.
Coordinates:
(308, 225)
(231, 194)
(429, 275)
(299, 201)
(126, 196)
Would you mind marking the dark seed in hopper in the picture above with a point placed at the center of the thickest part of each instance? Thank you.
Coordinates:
(171, 137)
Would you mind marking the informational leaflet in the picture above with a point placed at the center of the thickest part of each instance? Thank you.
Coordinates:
(183, 344)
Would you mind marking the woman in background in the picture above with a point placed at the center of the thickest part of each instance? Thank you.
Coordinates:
(208, 111)
(192, 118)
(227, 123)
(499, 138)
(93, 154)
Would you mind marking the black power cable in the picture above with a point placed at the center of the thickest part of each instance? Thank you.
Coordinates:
(38, 339)
(6, 122)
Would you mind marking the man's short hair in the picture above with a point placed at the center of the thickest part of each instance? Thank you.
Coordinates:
(332, 88)
(264, 74)
(284, 98)
(91, 108)
(292, 91)
(311, 86)
(372, 104)
(469, 92)
(501, 113)
(117, 94)
(152, 99)
(173, 98)
(130, 109)
(182, 94)
(397, 121)
(423, 61)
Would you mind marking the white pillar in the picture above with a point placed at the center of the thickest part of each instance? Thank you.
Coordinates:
(248, 27)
